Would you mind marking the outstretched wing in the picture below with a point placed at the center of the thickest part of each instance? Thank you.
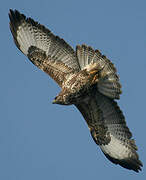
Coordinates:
(108, 129)
(47, 51)
(107, 78)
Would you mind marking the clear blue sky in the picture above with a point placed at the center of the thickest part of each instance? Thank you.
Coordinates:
(39, 140)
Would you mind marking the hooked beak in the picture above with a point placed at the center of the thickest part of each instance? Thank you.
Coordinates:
(54, 101)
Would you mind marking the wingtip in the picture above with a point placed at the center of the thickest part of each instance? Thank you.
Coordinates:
(16, 18)
(130, 164)
(13, 12)
(15, 15)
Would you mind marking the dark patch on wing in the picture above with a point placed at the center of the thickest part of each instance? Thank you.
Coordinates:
(56, 69)
(100, 134)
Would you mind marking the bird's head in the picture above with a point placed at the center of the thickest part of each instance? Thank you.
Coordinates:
(58, 100)
(61, 99)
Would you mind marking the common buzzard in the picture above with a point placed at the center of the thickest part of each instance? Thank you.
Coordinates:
(87, 79)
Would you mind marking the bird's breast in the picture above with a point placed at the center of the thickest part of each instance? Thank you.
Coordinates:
(77, 86)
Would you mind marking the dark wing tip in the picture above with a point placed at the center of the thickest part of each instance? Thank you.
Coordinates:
(15, 21)
(15, 18)
(131, 164)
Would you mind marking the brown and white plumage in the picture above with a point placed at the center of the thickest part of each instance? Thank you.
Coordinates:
(88, 80)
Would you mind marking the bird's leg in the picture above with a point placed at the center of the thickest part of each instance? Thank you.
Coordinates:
(94, 74)
(95, 79)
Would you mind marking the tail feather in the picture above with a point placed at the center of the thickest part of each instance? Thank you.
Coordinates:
(108, 80)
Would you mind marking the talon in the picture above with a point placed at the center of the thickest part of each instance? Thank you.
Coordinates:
(93, 72)
(95, 79)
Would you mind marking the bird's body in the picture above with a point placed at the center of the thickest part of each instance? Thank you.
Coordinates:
(87, 79)
(75, 88)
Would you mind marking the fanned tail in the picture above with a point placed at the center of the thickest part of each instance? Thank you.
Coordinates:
(108, 80)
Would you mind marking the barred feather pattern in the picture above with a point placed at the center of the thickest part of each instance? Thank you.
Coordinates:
(56, 69)
(107, 79)
(109, 130)
(26, 33)
(88, 80)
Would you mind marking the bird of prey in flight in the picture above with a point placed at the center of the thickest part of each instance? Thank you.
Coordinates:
(87, 80)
